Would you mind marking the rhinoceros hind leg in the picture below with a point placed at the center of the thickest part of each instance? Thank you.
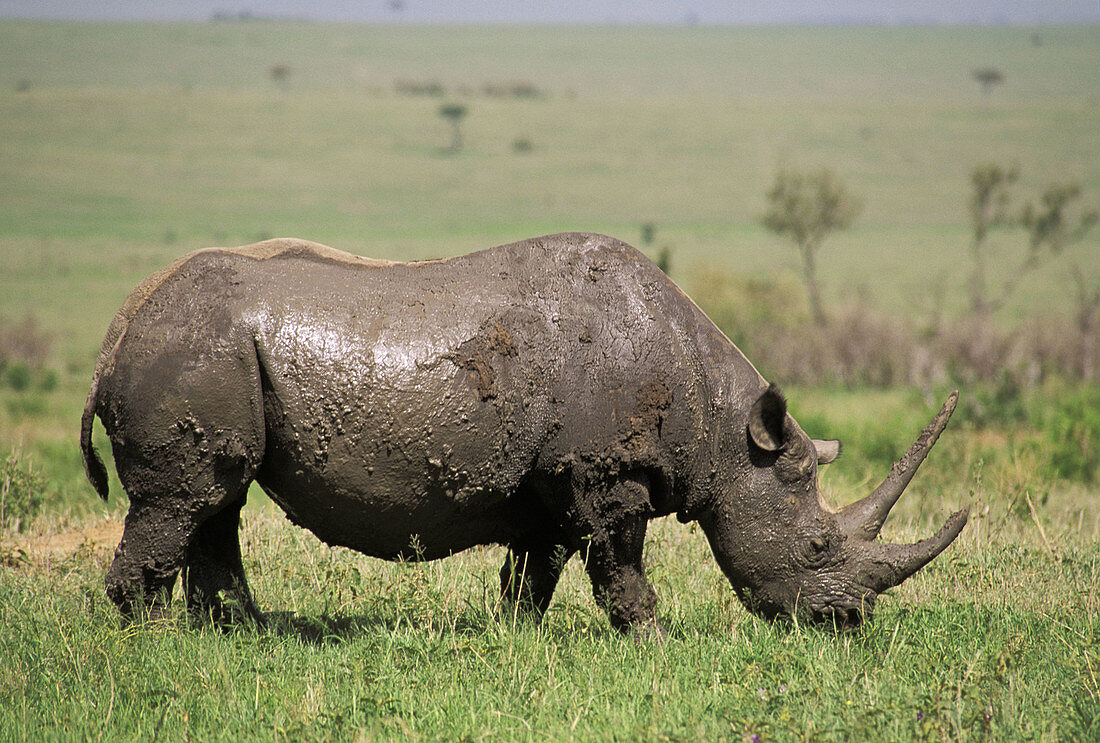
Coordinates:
(187, 493)
(213, 576)
(530, 575)
(147, 560)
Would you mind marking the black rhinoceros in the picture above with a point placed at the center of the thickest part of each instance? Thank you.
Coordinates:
(552, 395)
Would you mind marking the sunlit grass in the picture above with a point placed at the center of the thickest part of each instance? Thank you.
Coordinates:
(362, 648)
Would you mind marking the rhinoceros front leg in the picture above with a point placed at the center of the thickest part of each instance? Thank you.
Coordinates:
(213, 577)
(530, 575)
(613, 557)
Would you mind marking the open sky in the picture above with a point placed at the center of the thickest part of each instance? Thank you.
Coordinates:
(1019, 12)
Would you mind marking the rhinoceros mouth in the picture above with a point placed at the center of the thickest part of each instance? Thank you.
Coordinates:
(841, 618)
(838, 614)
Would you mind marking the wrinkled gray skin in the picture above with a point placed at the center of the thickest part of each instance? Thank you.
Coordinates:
(551, 395)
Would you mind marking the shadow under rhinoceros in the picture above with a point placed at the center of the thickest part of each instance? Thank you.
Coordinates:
(323, 629)
(328, 629)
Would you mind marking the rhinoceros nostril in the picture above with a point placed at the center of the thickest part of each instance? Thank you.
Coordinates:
(837, 618)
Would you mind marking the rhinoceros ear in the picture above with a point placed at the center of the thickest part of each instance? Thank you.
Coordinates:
(827, 451)
(767, 420)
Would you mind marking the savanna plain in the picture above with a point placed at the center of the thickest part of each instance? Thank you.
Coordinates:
(123, 146)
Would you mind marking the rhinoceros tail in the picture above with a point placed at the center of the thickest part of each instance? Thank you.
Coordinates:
(93, 465)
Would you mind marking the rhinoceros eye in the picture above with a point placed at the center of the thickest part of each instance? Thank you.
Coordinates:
(817, 550)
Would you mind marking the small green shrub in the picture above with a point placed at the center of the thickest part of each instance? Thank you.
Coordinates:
(664, 259)
(1049, 434)
(744, 307)
(1071, 434)
(17, 375)
(21, 492)
(26, 404)
(48, 380)
(999, 404)
(24, 350)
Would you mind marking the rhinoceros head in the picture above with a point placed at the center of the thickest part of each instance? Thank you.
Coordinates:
(786, 552)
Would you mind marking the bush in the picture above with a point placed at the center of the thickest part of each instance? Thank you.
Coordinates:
(1071, 428)
(511, 89)
(432, 88)
(24, 349)
(739, 304)
(17, 375)
(1001, 403)
(24, 341)
(48, 380)
(771, 324)
(870, 447)
(21, 492)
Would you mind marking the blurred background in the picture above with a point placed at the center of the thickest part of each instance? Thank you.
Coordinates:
(877, 201)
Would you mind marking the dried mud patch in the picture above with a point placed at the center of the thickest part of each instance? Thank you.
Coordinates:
(93, 541)
(477, 356)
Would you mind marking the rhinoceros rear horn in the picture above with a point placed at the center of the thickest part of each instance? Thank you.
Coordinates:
(864, 518)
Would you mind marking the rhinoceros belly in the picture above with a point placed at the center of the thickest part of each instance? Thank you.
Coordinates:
(396, 443)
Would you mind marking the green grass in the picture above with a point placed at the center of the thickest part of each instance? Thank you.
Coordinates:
(124, 146)
(994, 641)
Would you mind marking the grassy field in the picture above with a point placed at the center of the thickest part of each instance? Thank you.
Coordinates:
(124, 146)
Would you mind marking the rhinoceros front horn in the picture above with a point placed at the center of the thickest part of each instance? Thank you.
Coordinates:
(863, 519)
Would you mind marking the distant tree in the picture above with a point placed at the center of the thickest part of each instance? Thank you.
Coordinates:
(988, 77)
(1050, 230)
(454, 113)
(806, 207)
(279, 73)
(1052, 224)
(989, 199)
(1047, 224)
